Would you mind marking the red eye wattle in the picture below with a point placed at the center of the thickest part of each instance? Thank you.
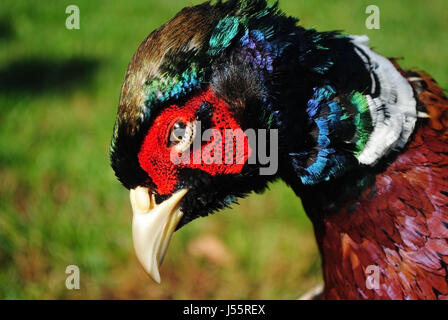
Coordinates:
(220, 154)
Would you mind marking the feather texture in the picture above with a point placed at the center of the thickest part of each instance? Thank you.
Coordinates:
(362, 142)
(393, 110)
(396, 219)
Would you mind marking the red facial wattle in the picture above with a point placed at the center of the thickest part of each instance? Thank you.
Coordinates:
(155, 153)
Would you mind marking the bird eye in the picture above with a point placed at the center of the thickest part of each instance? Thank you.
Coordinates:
(182, 135)
(178, 131)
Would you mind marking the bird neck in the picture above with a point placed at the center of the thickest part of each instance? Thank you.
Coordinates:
(349, 123)
(367, 235)
(382, 230)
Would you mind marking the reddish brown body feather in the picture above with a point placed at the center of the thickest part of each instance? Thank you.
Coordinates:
(403, 228)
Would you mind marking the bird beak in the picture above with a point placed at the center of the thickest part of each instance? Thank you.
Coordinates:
(152, 227)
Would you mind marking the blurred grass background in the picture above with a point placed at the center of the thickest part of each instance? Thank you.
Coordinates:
(59, 201)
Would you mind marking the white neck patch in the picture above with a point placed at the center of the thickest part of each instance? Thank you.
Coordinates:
(393, 111)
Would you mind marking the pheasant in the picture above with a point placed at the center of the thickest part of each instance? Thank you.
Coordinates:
(361, 141)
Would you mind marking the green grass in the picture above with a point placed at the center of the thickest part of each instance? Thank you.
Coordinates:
(59, 201)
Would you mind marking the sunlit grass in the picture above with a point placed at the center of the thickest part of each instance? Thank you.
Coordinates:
(60, 203)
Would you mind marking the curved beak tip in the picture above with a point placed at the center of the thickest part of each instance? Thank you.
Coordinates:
(153, 226)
